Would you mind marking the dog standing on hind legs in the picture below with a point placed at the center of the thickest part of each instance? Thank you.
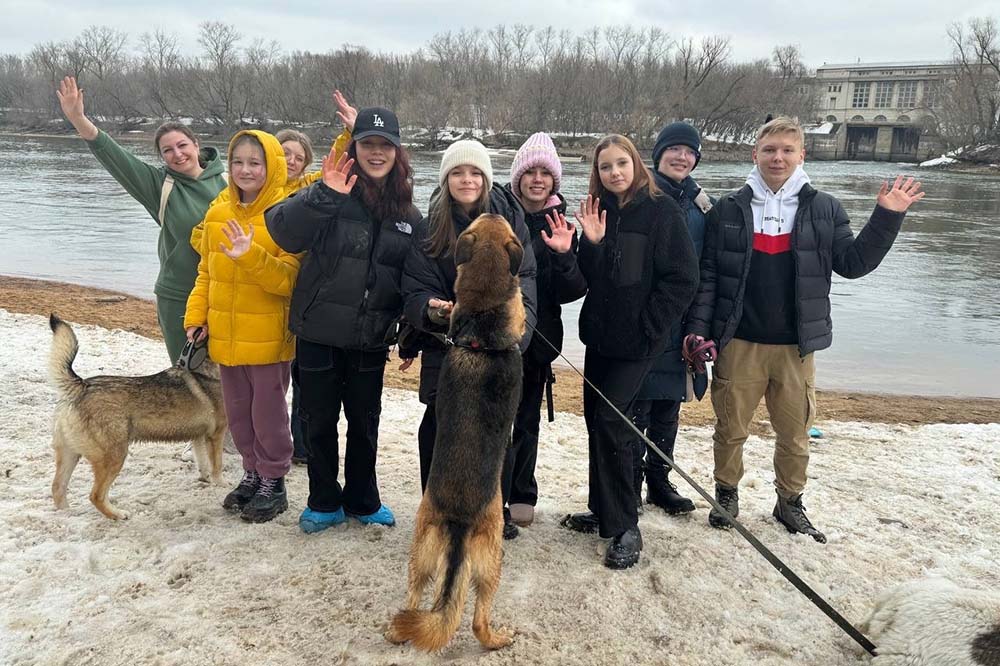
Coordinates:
(459, 524)
(98, 417)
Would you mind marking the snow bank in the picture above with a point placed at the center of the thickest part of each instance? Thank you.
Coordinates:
(938, 161)
(182, 582)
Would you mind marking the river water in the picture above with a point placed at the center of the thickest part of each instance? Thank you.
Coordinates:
(926, 322)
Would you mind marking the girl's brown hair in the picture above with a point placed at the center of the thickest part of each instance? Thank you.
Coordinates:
(642, 179)
(441, 240)
(303, 140)
(393, 198)
(172, 126)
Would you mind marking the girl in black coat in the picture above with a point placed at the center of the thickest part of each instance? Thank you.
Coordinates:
(642, 273)
(467, 191)
(355, 227)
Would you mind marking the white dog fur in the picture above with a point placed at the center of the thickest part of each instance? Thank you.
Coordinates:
(934, 622)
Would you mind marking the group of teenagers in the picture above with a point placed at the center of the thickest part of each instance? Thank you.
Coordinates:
(310, 278)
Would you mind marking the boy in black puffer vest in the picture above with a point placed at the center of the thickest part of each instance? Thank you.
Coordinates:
(534, 181)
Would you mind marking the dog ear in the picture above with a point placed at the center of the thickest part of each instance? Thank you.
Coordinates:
(515, 253)
(463, 248)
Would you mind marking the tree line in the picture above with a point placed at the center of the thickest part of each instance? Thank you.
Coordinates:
(506, 80)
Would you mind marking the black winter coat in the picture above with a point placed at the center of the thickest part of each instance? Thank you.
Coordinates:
(822, 242)
(667, 378)
(426, 277)
(558, 280)
(348, 292)
(641, 278)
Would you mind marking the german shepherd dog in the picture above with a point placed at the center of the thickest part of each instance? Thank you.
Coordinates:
(459, 523)
(97, 418)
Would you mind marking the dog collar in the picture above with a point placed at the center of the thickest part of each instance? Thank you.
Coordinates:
(473, 343)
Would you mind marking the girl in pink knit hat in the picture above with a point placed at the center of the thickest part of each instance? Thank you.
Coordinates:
(534, 181)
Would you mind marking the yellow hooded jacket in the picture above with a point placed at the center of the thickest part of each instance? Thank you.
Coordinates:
(293, 185)
(245, 301)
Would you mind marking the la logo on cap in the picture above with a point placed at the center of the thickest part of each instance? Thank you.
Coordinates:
(378, 122)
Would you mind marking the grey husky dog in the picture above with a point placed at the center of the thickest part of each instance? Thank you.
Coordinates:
(98, 417)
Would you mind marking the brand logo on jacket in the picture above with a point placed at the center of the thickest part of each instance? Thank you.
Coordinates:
(404, 227)
(378, 122)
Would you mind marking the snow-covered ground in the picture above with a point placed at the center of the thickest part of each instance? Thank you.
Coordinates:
(183, 582)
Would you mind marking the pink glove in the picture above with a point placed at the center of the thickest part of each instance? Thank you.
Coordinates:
(697, 351)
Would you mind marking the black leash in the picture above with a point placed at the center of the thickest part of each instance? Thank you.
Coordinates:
(775, 561)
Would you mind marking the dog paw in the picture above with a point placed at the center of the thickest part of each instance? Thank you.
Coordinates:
(393, 636)
(497, 639)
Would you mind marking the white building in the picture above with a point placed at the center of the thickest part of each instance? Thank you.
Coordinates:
(879, 111)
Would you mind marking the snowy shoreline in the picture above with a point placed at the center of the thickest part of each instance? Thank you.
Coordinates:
(182, 582)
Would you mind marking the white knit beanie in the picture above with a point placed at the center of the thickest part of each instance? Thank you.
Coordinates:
(468, 152)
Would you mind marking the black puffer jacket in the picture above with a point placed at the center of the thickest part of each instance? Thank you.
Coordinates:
(558, 281)
(426, 277)
(641, 278)
(822, 242)
(348, 291)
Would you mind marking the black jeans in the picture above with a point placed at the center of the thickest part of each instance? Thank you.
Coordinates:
(611, 439)
(298, 441)
(658, 419)
(328, 378)
(426, 435)
(517, 480)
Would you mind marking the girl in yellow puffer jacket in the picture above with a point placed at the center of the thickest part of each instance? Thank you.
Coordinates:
(241, 296)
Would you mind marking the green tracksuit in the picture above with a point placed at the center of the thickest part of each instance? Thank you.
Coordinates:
(186, 207)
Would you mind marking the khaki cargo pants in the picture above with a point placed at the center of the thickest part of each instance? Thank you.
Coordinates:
(745, 372)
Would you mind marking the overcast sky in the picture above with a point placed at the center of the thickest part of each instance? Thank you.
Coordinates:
(844, 31)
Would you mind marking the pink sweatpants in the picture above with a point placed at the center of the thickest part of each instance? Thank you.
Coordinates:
(254, 396)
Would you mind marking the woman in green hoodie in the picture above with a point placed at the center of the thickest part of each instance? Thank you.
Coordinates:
(176, 195)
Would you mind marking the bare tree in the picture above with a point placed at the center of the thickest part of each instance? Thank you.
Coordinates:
(972, 110)
(218, 95)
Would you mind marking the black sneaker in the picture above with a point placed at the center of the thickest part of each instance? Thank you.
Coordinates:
(586, 522)
(269, 500)
(664, 494)
(510, 531)
(792, 515)
(729, 498)
(241, 494)
(623, 551)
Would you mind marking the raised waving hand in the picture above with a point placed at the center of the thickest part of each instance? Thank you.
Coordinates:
(71, 101)
(240, 240)
(347, 113)
(593, 220)
(561, 239)
(901, 195)
(337, 172)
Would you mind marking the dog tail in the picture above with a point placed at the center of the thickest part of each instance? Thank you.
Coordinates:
(431, 630)
(64, 349)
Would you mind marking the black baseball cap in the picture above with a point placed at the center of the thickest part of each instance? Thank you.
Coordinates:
(376, 121)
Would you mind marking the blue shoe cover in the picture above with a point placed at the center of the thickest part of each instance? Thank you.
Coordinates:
(316, 521)
(381, 517)
(815, 433)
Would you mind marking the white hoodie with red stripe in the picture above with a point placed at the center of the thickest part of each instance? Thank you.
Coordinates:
(769, 297)
(774, 212)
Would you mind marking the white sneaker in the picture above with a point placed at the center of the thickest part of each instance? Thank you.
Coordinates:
(187, 455)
